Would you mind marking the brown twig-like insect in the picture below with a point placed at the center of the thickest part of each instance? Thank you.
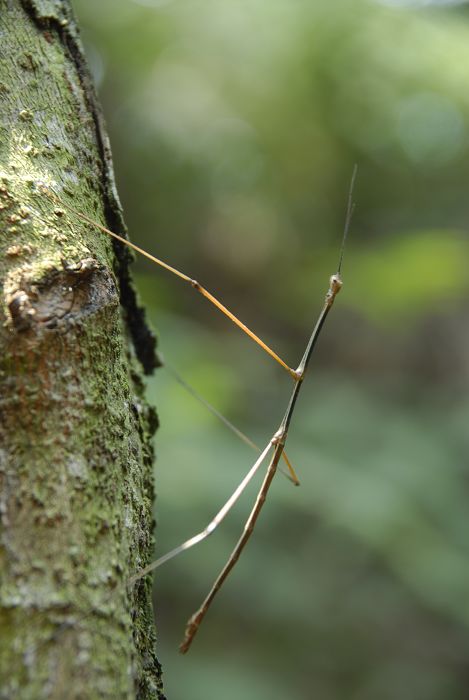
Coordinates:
(276, 444)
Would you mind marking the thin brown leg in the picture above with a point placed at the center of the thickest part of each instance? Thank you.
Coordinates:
(193, 283)
(196, 619)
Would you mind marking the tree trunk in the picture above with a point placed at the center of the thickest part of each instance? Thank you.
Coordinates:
(76, 485)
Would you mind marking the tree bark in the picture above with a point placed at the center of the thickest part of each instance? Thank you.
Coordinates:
(76, 485)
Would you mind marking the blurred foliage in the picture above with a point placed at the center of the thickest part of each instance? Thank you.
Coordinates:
(235, 126)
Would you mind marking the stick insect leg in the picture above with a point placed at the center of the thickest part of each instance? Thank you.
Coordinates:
(219, 517)
(211, 527)
(193, 283)
(244, 438)
(196, 619)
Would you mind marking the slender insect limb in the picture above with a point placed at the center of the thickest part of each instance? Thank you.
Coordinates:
(214, 411)
(193, 283)
(292, 475)
(211, 527)
(244, 438)
(196, 619)
(219, 517)
(279, 440)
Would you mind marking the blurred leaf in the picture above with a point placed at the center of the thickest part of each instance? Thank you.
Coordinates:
(413, 275)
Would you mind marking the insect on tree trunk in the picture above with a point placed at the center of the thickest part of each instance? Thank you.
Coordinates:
(75, 455)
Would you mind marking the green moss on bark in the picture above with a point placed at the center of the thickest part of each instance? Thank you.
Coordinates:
(75, 457)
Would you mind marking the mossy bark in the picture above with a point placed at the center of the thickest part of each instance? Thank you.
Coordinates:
(76, 484)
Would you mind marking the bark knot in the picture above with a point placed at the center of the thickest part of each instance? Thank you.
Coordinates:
(59, 296)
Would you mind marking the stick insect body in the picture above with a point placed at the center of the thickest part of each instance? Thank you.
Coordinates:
(276, 444)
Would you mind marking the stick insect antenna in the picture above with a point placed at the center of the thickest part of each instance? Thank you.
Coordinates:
(348, 217)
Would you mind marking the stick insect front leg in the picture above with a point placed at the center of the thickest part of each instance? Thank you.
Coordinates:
(193, 283)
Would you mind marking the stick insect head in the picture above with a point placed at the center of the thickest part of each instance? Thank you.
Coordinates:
(335, 283)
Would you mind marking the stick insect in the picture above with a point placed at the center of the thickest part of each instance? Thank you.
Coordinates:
(276, 444)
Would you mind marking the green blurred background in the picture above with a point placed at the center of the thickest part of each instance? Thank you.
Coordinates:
(235, 125)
